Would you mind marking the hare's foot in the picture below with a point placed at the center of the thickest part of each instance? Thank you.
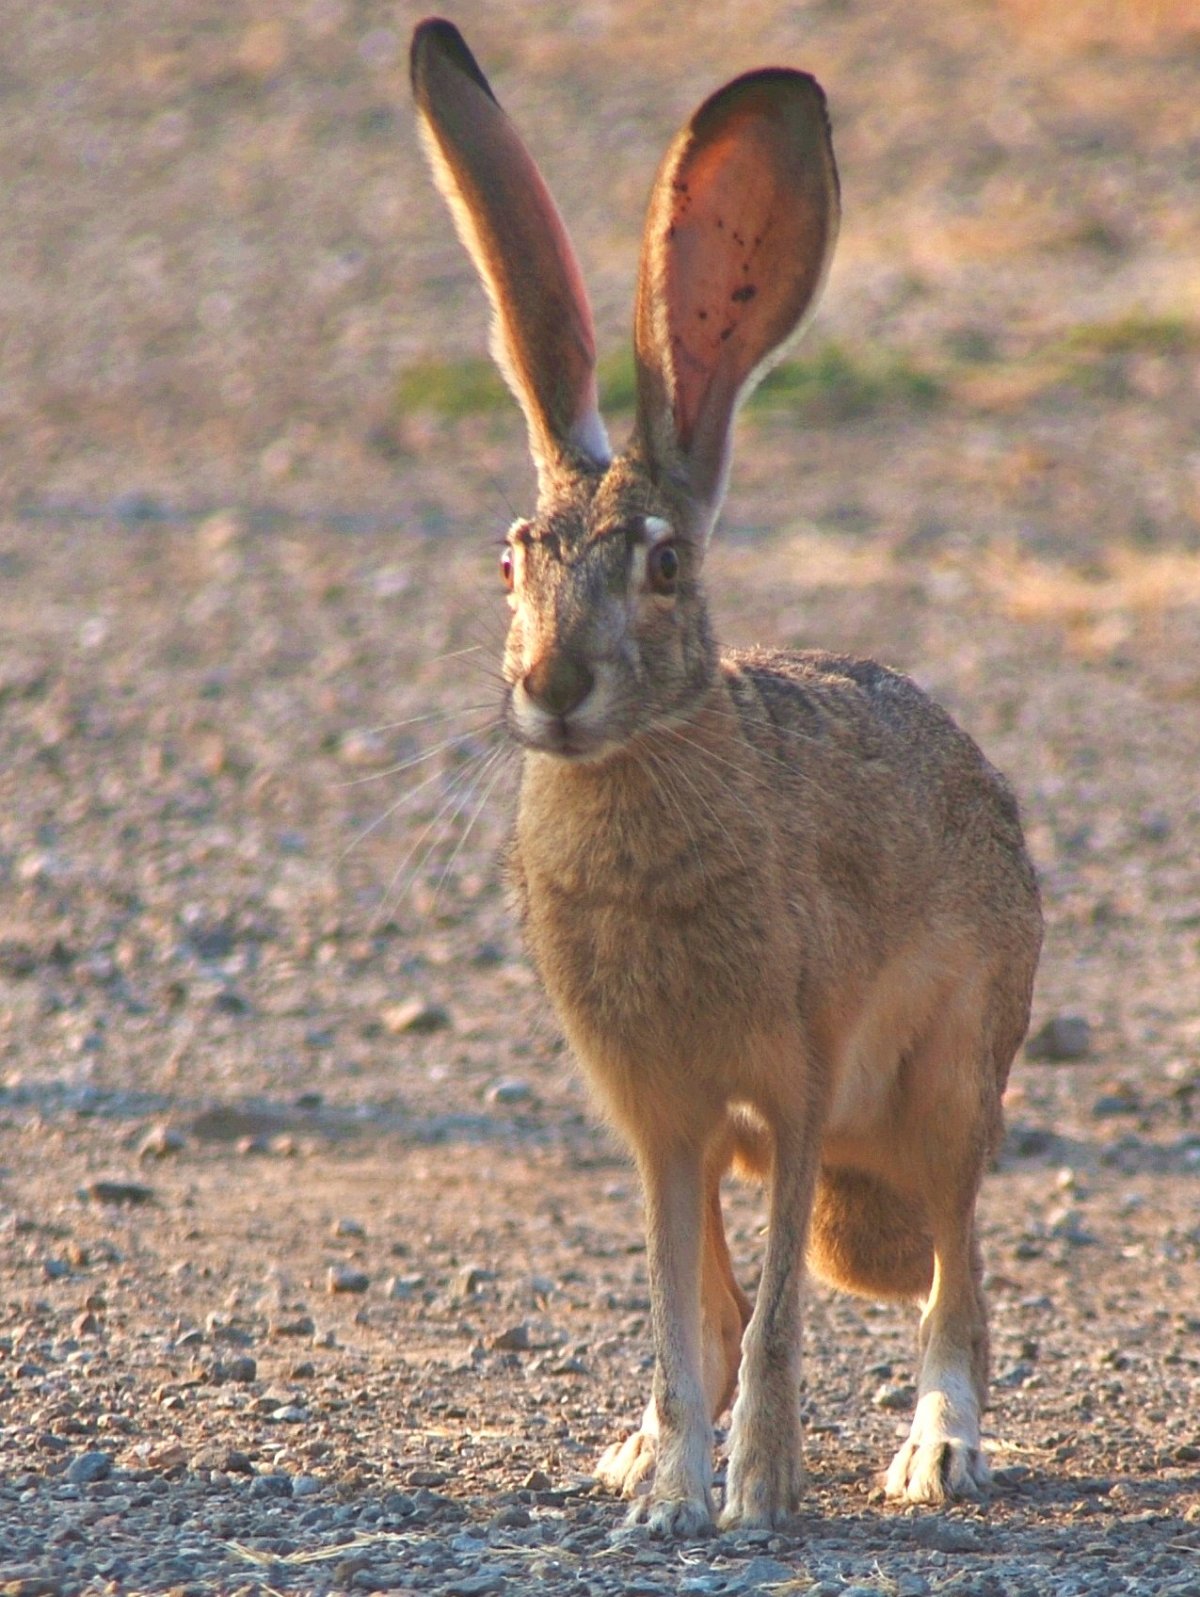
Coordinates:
(766, 1469)
(673, 1517)
(942, 1458)
(627, 1466)
(670, 1496)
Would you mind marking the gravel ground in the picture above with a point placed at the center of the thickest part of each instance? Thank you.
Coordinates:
(319, 1272)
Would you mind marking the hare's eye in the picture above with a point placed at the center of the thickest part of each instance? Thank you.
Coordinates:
(506, 568)
(662, 567)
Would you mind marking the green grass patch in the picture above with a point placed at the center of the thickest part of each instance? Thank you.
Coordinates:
(839, 383)
(1132, 335)
(451, 388)
(835, 382)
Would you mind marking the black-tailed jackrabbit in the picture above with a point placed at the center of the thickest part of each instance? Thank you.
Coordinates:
(781, 903)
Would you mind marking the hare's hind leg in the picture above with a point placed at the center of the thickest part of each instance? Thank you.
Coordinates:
(943, 1457)
(628, 1466)
(952, 1119)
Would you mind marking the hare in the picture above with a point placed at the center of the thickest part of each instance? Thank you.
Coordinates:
(780, 902)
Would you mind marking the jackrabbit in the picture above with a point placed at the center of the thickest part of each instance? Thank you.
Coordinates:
(780, 902)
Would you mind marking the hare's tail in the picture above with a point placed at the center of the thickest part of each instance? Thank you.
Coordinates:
(866, 1237)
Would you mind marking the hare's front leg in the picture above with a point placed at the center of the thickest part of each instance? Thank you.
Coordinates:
(680, 1501)
(627, 1466)
(766, 1467)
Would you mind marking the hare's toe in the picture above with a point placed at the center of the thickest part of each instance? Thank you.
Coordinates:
(626, 1467)
(937, 1470)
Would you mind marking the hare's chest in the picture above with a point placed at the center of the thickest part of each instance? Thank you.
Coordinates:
(652, 966)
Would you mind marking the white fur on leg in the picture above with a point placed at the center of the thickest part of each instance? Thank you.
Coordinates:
(627, 1467)
(942, 1458)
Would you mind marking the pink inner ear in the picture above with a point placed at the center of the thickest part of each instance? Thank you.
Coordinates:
(741, 266)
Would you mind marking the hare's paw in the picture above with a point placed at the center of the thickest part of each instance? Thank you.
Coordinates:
(942, 1458)
(626, 1467)
(675, 1518)
(765, 1479)
(937, 1470)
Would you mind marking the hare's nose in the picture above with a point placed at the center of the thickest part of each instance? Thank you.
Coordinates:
(559, 682)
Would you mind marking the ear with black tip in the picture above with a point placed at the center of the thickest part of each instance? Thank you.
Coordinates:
(542, 334)
(740, 231)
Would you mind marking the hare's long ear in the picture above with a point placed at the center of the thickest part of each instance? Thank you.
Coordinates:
(741, 227)
(542, 336)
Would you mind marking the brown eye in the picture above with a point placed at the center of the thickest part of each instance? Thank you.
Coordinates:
(506, 568)
(662, 567)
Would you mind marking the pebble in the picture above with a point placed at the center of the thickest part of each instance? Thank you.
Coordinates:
(947, 1536)
(894, 1395)
(86, 1468)
(469, 1280)
(514, 1340)
(346, 1278)
(161, 1141)
(130, 1193)
(416, 1016)
(506, 1093)
(482, 1584)
(1062, 1040)
(761, 1571)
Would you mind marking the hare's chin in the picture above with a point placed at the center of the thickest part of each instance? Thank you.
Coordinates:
(566, 742)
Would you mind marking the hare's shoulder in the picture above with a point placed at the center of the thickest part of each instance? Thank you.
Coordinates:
(856, 716)
(827, 688)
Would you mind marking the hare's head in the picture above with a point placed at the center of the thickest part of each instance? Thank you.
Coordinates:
(610, 633)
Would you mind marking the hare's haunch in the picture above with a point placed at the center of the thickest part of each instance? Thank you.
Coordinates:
(780, 902)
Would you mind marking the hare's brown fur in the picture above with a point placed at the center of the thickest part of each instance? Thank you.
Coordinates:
(781, 903)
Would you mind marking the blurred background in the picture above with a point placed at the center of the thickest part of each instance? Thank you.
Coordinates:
(226, 279)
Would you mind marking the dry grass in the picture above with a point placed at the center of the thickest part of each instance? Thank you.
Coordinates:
(1098, 610)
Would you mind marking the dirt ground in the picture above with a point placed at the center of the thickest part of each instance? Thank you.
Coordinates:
(318, 1271)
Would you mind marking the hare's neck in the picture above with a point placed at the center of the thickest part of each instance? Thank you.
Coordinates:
(657, 817)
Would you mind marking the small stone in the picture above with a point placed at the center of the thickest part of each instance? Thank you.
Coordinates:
(131, 1193)
(297, 1325)
(894, 1395)
(763, 1571)
(483, 1583)
(537, 1481)
(159, 1142)
(1123, 1100)
(401, 1287)
(947, 1536)
(348, 1228)
(504, 1094)
(89, 1467)
(1063, 1039)
(415, 1016)
(241, 1370)
(514, 1340)
(345, 1278)
(515, 1517)
(469, 1280)
(427, 1477)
